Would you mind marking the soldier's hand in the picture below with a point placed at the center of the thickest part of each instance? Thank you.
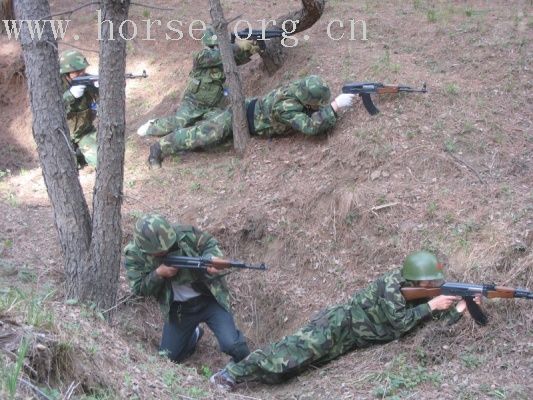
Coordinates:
(213, 271)
(165, 271)
(442, 302)
(143, 129)
(248, 46)
(342, 101)
(461, 306)
(77, 91)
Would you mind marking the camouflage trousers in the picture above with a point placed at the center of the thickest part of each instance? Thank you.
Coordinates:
(87, 146)
(214, 129)
(326, 337)
(187, 114)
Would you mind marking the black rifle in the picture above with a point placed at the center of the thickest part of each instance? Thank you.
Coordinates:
(204, 262)
(365, 89)
(258, 35)
(89, 80)
(467, 291)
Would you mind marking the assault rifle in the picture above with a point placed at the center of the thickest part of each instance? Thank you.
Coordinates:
(204, 262)
(260, 36)
(467, 291)
(364, 89)
(89, 80)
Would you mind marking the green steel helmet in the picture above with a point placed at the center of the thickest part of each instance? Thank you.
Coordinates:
(422, 266)
(210, 37)
(72, 60)
(153, 234)
(313, 91)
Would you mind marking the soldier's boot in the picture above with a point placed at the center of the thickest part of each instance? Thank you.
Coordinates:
(223, 381)
(155, 159)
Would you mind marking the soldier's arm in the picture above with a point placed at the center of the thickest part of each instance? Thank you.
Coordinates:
(208, 58)
(206, 244)
(291, 112)
(394, 307)
(68, 100)
(143, 280)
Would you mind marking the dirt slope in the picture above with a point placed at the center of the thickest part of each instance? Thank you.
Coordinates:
(449, 171)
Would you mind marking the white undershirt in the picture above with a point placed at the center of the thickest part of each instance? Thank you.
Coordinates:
(183, 292)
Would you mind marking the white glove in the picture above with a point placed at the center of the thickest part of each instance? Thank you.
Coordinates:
(344, 100)
(143, 130)
(77, 91)
(96, 84)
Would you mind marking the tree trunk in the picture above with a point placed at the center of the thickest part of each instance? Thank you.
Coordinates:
(107, 199)
(241, 134)
(6, 12)
(50, 131)
(311, 11)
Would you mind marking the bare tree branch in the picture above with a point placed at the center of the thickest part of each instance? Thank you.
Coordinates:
(68, 13)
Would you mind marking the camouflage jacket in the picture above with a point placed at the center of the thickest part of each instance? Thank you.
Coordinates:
(205, 83)
(80, 116)
(140, 268)
(379, 313)
(280, 111)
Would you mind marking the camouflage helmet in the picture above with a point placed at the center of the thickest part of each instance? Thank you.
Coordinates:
(313, 91)
(72, 60)
(153, 234)
(422, 266)
(210, 37)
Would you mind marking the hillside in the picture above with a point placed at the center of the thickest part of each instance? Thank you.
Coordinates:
(449, 171)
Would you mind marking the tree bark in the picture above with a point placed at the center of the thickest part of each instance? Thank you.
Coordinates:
(107, 199)
(311, 11)
(91, 249)
(241, 134)
(6, 12)
(56, 156)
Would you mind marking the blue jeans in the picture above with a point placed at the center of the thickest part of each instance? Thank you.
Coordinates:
(178, 340)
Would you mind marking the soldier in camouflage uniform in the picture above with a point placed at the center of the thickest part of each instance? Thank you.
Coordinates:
(377, 314)
(186, 297)
(302, 106)
(204, 91)
(80, 103)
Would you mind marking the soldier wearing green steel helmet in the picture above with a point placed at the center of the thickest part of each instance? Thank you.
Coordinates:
(80, 104)
(186, 297)
(301, 106)
(204, 90)
(377, 314)
(422, 266)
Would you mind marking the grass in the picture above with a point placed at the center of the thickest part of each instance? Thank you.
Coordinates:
(384, 64)
(432, 16)
(451, 89)
(12, 199)
(400, 377)
(32, 306)
(10, 373)
(195, 186)
(450, 145)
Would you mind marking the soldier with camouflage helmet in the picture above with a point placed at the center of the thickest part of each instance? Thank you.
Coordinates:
(377, 314)
(186, 297)
(80, 103)
(303, 106)
(204, 91)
